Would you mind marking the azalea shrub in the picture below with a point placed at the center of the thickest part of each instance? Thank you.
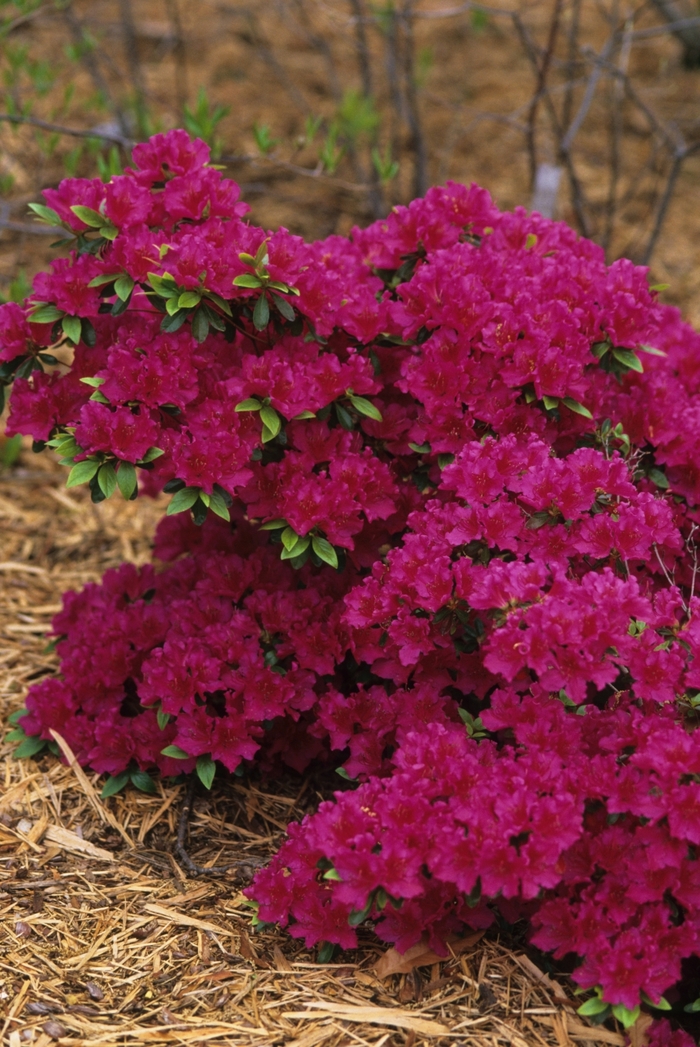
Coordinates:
(434, 523)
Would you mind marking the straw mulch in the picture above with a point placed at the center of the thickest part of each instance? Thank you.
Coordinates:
(105, 939)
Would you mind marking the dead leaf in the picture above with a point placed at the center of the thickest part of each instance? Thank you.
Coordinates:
(374, 1016)
(75, 844)
(421, 955)
(281, 961)
(638, 1034)
(183, 920)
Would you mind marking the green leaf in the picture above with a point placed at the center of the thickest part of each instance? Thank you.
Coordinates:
(363, 406)
(289, 538)
(114, 784)
(651, 350)
(332, 874)
(45, 214)
(171, 306)
(88, 216)
(343, 417)
(218, 506)
(261, 313)
(298, 549)
(71, 326)
(284, 307)
(105, 278)
(550, 402)
(218, 300)
(109, 231)
(206, 769)
(171, 324)
(163, 719)
(628, 359)
(530, 241)
(626, 1017)
(94, 383)
(538, 520)
(325, 551)
(200, 326)
(273, 525)
(275, 285)
(659, 478)
(17, 715)
(576, 407)
(126, 479)
(344, 774)
(592, 1007)
(692, 1008)
(151, 454)
(444, 460)
(82, 473)
(251, 404)
(271, 419)
(29, 747)
(189, 299)
(267, 435)
(143, 781)
(45, 313)
(107, 479)
(99, 397)
(661, 1005)
(183, 500)
(261, 255)
(303, 415)
(420, 448)
(599, 349)
(175, 752)
(247, 280)
(163, 285)
(123, 287)
(358, 916)
(325, 953)
(18, 735)
(215, 320)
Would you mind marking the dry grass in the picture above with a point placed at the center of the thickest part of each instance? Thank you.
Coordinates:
(104, 939)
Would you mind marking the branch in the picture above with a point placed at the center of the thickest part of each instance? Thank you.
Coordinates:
(74, 132)
(306, 172)
(539, 90)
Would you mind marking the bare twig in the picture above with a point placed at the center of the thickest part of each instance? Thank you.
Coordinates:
(247, 866)
(306, 172)
(362, 49)
(180, 52)
(688, 35)
(662, 208)
(132, 60)
(91, 64)
(268, 56)
(577, 196)
(572, 62)
(539, 90)
(29, 16)
(616, 101)
(586, 101)
(74, 132)
(420, 176)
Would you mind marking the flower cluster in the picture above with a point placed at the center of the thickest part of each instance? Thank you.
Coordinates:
(435, 502)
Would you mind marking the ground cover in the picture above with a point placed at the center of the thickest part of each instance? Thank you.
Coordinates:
(104, 938)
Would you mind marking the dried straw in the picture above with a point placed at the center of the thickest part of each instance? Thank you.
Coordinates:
(104, 939)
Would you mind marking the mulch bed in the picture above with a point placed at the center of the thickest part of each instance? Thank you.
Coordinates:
(104, 936)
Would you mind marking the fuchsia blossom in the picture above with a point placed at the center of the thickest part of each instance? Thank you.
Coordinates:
(505, 662)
